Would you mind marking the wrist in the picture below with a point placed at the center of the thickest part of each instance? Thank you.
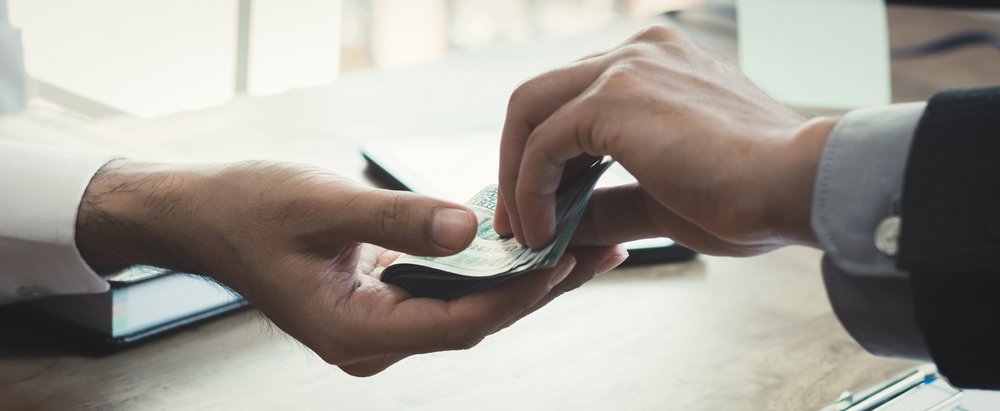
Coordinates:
(794, 209)
(127, 215)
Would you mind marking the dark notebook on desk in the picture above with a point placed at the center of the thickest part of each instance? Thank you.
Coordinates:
(143, 302)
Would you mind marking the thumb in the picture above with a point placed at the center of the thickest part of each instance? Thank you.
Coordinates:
(624, 213)
(616, 215)
(410, 223)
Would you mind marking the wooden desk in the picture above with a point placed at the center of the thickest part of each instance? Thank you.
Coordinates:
(713, 334)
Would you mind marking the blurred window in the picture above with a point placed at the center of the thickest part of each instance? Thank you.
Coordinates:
(154, 57)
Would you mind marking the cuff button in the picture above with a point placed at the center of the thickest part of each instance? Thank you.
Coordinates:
(887, 236)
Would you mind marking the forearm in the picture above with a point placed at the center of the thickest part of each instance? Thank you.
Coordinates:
(134, 213)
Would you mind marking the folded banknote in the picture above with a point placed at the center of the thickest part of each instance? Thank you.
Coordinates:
(491, 259)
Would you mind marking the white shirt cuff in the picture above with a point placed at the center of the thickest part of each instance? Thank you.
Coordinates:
(859, 182)
(40, 192)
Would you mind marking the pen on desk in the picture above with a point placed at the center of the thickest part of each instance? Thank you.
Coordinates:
(885, 393)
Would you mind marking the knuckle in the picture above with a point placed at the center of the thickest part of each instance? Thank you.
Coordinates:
(466, 339)
(631, 51)
(463, 345)
(717, 222)
(620, 75)
(523, 92)
(393, 216)
(508, 177)
(607, 135)
(359, 372)
(590, 56)
(657, 33)
(529, 194)
(538, 145)
(640, 57)
(334, 356)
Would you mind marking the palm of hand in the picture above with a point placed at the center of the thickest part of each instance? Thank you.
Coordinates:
(350, 318)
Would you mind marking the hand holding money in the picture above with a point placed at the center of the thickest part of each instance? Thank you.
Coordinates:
(722, 167)
(492, 259)
(306, 248)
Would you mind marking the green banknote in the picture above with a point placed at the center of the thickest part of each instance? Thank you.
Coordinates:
(491, 259)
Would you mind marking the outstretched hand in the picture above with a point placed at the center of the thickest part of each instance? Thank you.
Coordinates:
(307, 247)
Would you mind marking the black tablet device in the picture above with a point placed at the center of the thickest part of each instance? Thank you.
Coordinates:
(455, 169)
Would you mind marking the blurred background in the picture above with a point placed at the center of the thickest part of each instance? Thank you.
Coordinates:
(148, 58)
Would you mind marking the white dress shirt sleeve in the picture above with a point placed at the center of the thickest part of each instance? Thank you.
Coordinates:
(40, 193)
(858, 188)
(13, 87)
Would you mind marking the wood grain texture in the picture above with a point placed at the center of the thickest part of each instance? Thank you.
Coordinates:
(717, 333)
(712, 334)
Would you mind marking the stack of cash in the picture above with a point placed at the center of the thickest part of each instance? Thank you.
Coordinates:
(491, 259)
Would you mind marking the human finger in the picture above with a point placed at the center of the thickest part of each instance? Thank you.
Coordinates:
(559, 139)
(624, 213)
(530, 104)
(430, 325)
(536, 99)
(501, 219)
(591, 262)
(407, 222)
(617, 215)
(370, 367)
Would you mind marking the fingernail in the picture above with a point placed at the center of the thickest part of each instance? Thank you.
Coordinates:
(613, 262)
(450, 228)
(561, 274)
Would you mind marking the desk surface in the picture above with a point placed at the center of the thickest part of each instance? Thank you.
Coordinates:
(716, 333)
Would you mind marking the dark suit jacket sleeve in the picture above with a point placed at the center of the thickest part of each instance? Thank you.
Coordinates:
(950, 234)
